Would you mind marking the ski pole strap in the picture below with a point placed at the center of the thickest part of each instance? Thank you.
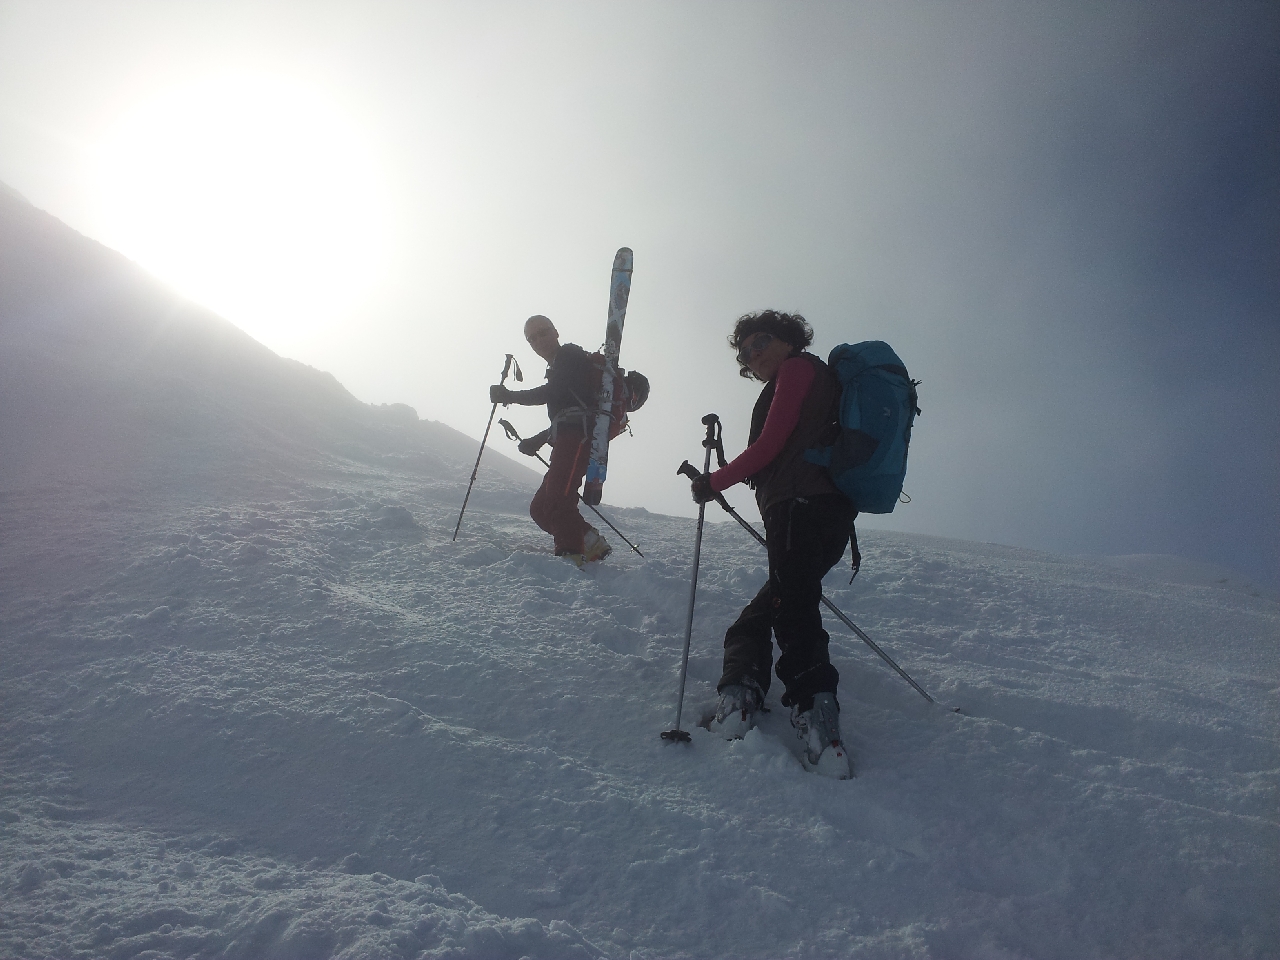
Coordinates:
(717, 443)
(714, 440)
(855, 557)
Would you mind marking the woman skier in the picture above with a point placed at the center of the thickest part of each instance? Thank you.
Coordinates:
(807, 524)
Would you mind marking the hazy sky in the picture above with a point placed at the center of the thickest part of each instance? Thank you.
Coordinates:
(1064, 216)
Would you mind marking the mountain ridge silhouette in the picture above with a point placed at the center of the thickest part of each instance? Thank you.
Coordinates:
(106, 372)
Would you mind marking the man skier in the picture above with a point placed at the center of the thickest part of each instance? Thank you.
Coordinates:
(571, 384)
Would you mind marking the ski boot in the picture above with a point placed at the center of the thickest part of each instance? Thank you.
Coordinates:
(736, 711)
(819, 729)
(595, 547)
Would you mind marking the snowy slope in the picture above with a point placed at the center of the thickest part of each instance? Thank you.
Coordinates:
(104, 374)
(1180, 570)
(260, 705)
(315, 724)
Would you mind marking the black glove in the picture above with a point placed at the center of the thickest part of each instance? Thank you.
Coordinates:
(530, 446)
(701, 489)
(498, 393)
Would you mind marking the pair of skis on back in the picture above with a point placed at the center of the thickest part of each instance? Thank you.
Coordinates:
(619, 293)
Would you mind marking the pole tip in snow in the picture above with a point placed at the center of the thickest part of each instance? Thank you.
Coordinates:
(676, 736)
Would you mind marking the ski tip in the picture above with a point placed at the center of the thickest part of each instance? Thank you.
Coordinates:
(623, 259)
(676, 736)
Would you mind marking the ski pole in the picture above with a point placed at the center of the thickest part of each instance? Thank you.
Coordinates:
(692, 475)
(513, 435)
(506, 367)
(712, 423)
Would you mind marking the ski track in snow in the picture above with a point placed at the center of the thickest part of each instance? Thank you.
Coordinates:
(304, 723)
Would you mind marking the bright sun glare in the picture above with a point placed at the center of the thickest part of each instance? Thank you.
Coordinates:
(250, 195)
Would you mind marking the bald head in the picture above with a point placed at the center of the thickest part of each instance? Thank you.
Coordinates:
(537, 324)
(542, 336)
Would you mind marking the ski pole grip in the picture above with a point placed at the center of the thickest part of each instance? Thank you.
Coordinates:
(511, 431)
(506, 368)
(712, 422)
(687, 469)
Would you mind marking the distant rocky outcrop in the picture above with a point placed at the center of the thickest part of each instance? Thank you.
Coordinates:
(104, 372)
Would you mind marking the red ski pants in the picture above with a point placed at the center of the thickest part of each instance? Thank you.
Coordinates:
(555, 505)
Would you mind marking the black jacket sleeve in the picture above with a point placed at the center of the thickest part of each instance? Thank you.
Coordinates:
(530, 398)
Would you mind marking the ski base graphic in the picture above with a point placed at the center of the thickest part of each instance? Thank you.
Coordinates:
(619, 293)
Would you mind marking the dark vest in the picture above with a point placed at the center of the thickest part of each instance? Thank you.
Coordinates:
(570, 383)
(790, 475)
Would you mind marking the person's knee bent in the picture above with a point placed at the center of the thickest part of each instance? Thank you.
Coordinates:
(539, 508)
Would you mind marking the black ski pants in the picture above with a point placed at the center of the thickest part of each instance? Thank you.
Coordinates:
(805, 537)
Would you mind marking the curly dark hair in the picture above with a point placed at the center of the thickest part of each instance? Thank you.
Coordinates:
(788, 327)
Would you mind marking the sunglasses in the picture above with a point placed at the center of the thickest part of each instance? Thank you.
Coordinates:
(755, 345)
(541, 334)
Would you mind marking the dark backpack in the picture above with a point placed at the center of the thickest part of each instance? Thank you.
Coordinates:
(630, 391)
(876, 410)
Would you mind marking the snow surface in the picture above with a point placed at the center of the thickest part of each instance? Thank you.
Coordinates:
(312, 725)
(1180, 570)
(256, 703)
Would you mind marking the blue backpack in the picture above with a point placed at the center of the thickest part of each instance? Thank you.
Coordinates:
(877, 408)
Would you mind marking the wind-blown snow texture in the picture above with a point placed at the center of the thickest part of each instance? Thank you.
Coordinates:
(264, 707)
